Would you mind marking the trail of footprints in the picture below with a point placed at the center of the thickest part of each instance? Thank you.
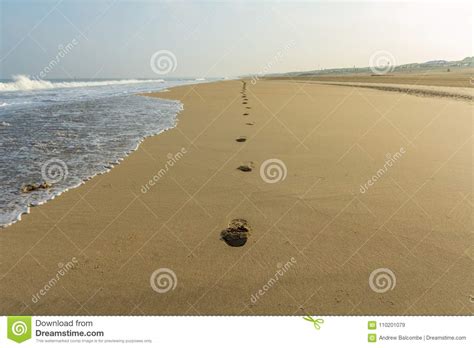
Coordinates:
(247, 167)
(237, 232)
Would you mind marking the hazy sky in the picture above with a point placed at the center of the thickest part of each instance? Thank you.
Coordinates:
(227, 38)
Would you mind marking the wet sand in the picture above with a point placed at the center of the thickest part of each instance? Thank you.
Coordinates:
(460, 77)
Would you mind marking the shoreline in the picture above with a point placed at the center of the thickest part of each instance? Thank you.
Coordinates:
(107, 168)
(120, 235)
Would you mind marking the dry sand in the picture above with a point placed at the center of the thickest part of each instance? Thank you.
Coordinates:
(316, 224)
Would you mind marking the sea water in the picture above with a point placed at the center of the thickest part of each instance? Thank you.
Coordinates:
(65, 132)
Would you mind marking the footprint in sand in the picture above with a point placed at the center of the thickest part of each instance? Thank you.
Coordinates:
(244, 103)
(246, 167)
(245, 114)
(250, 123)
(237, 233)
(241, 139)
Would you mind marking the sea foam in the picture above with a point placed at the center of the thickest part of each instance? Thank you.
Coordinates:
(82, 131)
(25, 83)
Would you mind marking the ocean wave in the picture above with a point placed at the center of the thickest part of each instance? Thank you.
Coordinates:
(83, 146)
(24, 83)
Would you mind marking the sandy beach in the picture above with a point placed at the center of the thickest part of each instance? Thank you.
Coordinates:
(359, 181)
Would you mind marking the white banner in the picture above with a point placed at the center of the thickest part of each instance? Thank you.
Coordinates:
(238, 331)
